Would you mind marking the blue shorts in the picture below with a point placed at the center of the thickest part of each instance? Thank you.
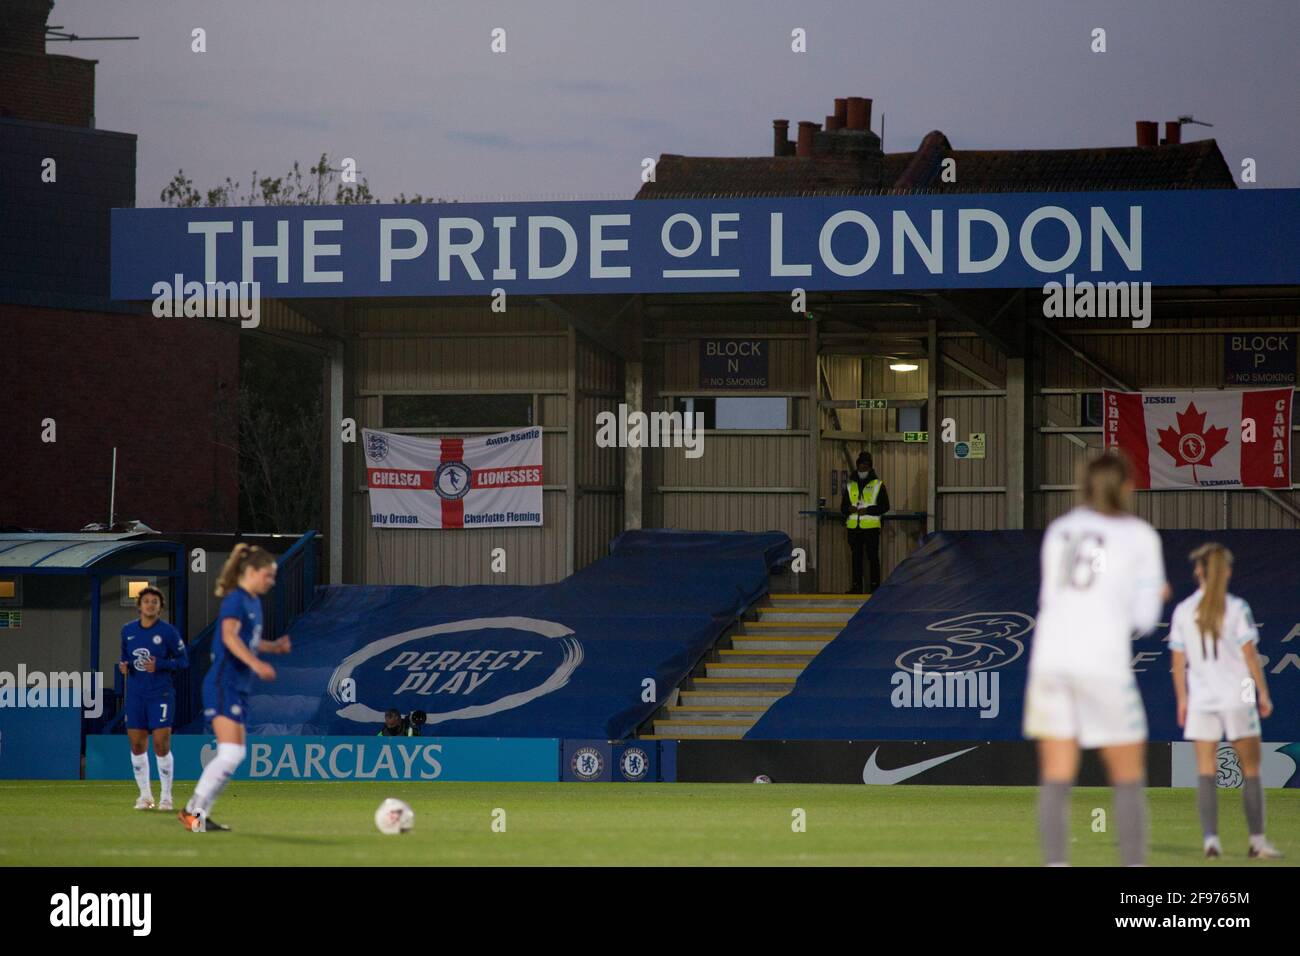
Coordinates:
(145, 712)
(222, 700)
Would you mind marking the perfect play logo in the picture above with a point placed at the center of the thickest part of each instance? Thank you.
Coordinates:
(457, 671)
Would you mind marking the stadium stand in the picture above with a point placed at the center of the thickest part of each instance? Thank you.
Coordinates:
(570, 659)
(964, 603)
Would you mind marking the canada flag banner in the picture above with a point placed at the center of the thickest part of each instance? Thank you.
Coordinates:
(486, 481)
(1212, 439)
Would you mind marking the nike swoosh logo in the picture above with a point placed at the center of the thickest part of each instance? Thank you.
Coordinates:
(871, 773)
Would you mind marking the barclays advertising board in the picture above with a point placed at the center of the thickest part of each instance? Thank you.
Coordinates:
(1002, 240)
(346, 758)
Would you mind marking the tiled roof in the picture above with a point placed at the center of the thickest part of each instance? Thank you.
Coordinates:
(677, 176)
(1198, 165)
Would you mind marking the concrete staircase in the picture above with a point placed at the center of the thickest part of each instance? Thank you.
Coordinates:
(765, 656)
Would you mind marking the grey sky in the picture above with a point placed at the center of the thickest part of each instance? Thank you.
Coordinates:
(411, 89)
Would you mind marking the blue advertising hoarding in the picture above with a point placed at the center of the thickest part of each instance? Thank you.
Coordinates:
(346, 758)
(618, 761)
(827, 243)
(41, 743)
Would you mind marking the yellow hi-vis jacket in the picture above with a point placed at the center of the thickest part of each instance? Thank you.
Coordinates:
(867, 493)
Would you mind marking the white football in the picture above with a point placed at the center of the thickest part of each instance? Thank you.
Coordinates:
(394, 816)
(762, 778)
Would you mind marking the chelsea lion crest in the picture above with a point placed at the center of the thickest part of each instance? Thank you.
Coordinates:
(634, 764)
(587, 763)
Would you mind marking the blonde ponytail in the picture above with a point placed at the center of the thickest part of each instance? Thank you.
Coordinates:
(1215, 564)
(243, 556)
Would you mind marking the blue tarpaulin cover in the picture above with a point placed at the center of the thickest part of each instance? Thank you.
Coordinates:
(571, 659)
(965, 601)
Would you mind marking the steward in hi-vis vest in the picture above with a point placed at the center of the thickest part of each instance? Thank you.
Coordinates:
(863, 503)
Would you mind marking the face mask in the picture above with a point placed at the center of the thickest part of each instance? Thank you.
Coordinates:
(861, 473)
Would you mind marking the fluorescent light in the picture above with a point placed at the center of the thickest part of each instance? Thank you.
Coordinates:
(902, 367)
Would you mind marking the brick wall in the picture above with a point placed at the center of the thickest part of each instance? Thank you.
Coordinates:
(47, 89)
(162, 390)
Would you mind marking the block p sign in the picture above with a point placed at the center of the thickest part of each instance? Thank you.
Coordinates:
(1257, 359)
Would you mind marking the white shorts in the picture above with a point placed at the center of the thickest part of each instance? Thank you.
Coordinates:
(1233, 723)
(1095, 711)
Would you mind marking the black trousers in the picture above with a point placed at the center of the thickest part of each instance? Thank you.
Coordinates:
(865, 541)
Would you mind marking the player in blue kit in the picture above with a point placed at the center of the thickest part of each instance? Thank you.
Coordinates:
(152, 652)
(249, 573)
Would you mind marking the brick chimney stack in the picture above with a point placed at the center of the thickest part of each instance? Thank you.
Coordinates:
(781, 145)
(37, 86)
(22, 25)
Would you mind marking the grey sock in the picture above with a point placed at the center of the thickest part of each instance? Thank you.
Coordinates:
(1131, 823)
(1207, 803)
(1252, 799)
(1053, 820)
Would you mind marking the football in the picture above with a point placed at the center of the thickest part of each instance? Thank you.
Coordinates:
(394, 816)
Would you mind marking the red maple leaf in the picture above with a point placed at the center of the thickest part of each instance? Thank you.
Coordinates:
(1191, 443)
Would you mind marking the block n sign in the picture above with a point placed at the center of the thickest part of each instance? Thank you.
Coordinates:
(733, 363)
(1259, 359)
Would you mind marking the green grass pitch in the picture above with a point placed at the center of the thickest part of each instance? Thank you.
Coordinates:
(80, 823)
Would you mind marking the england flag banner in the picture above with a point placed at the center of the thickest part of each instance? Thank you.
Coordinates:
(1206, 439)
(488, 481)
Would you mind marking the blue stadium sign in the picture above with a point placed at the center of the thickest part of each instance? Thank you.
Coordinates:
(1007, 240)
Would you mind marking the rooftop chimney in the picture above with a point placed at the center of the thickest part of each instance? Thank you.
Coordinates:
(22, 25)
(807, 130)
(1147, 133)
(1173, 132)
(832, 123)
(858, 113)
(780, 137)
(841, 112)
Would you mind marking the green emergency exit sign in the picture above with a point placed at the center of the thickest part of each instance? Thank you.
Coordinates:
(872, 403)
(916, 436)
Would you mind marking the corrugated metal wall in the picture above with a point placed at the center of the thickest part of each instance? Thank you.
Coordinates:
(599, 517)
(1148, 359)
(901, 466)
(759, 480)
(468, 350)
(738, 464)
(276, 317)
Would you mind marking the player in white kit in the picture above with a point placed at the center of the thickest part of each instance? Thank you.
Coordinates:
(1217, 680)
(1103, 583)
